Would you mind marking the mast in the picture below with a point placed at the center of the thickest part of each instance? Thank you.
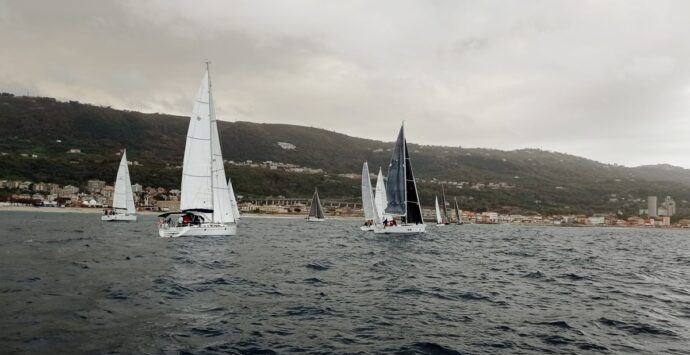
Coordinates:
(210, 129)
(402, 130)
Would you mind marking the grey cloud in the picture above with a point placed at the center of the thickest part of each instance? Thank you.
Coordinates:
(606, 80)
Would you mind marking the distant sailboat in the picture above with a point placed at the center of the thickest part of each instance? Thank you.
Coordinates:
(458, 214)
(123, 199)
(205, 198)
(371, 217)
(233, 202)
(315, 210)
(380, 199)
(439, 218)
(401, 191)
(444, 210)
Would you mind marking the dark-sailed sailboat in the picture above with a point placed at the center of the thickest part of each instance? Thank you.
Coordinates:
(458, 215)
(315, 210)
(401, 191)
(444, 211)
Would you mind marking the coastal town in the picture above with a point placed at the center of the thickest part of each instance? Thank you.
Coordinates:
(97, 194)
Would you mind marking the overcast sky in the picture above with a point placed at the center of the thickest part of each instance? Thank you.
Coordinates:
(607, 80)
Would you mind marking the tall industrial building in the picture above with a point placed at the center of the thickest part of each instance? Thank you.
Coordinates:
(651, 206)
(668, 207)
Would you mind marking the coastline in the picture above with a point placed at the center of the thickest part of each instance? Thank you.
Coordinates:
(87, 210)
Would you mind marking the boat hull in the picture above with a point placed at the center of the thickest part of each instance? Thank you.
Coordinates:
(368, 229)
(401, 229)
(119, 218)
(310, 219)
(203, 230)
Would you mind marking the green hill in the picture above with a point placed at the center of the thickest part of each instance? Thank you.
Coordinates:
(538, 180)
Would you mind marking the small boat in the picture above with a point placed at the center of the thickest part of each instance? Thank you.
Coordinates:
(315, 210)
(371, 217)
(233, 202)
(123, 199)
(380, 199)
(458, 214)
(205, 199)
(401, 192)
(439, 218)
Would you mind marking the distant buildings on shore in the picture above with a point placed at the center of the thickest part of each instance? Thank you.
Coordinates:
(666, 209)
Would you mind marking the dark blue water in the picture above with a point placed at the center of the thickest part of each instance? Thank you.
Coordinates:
(71, 284)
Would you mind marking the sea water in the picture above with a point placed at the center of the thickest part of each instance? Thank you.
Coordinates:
(70, 283)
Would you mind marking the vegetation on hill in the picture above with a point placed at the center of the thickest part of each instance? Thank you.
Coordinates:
(539, 180)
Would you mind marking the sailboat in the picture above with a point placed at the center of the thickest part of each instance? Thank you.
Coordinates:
(205, 199)
(233, 202)
(123, 199)
(439, 218)
(458, 214)
(315, 211)
(401, 192)
(371, 216)
(380, 199)
(444, 211)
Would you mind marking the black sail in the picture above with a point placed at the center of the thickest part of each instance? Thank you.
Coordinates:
(397, 185)
(414, 209)
(457, 212)
(443, 208)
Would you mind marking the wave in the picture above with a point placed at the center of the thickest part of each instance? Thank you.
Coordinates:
(637, 328)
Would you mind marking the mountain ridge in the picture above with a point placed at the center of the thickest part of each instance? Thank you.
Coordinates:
(539, 180)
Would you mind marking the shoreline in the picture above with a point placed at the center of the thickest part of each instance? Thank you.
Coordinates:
(86, 210)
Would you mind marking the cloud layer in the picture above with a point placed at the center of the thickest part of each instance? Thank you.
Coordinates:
(605, 80)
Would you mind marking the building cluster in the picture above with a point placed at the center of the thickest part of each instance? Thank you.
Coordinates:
(558, 220)
(667, 208)
(272, 165)
(95, 194)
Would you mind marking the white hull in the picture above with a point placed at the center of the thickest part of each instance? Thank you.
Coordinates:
(440, 225)
(119, 218)
(368, 229)
(311, 219)
(401, 229)
(204, 230)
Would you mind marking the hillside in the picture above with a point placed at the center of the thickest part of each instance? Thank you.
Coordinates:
(539, 180)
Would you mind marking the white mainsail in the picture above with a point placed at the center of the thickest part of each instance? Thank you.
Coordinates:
(123, 200)
(380, 199)
(233, 200)
(370, 211)
(439, 220)
(203, 173)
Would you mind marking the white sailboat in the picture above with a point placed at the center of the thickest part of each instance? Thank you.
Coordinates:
(123, 199)
(371, 216)
(380, 199)
(233, 202)
(439, 219)
(205, 199)
(316, 210)
(401, 192)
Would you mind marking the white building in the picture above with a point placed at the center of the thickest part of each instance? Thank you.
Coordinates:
(651, 206)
